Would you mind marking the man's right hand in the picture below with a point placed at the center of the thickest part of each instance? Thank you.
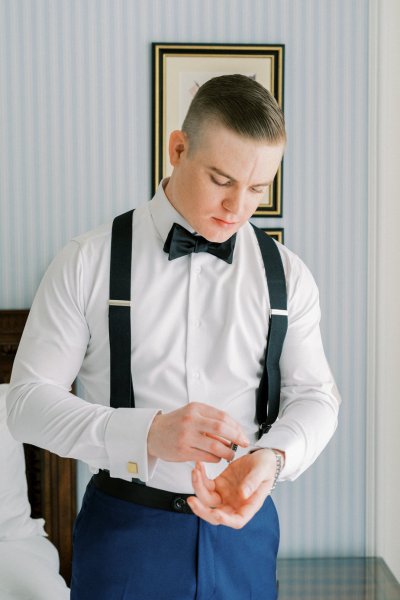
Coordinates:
(196, 432)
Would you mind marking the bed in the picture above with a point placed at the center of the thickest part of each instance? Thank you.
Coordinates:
(51, 487)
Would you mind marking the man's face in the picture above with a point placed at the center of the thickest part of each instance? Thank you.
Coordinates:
(219, 184)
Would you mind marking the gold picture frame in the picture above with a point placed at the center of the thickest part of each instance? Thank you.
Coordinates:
(275, 232)
(179, 69)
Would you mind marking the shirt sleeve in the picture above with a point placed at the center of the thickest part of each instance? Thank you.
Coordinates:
(309, 397)
(41, 408)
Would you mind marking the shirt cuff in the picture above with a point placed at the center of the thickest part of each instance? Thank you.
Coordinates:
(126, 443)
(292, 447)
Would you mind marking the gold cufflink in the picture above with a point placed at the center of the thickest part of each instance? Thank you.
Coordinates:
(132, 468)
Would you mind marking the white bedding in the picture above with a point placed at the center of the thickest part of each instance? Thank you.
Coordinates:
(29, 563)
(29, 570)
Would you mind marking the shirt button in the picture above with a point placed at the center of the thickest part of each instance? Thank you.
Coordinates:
(197, 270)
(180, 505)
(196, 323)
(196, 375)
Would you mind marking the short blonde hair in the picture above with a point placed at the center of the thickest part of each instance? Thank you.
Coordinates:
(239, 103)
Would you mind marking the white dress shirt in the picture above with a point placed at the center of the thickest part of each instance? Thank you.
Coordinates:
(199, 329)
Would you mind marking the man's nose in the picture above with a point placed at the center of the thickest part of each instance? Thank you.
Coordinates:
(234, 201)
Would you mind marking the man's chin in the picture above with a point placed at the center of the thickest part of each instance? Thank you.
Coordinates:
(218, 234)
(219, 238)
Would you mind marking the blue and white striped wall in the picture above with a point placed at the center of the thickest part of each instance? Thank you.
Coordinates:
(75, 148)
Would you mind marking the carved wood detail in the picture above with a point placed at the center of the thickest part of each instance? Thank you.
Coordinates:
(12, 323)
(51, 479)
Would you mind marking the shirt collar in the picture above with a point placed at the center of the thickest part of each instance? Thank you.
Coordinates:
(164, 215)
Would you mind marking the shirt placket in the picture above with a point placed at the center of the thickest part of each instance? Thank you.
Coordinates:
(194, 368)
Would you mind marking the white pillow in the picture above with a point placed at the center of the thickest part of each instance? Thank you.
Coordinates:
(29, 571)
(15, 510)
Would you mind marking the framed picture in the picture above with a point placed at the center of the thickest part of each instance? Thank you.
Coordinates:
(180, 69)
(277, 233)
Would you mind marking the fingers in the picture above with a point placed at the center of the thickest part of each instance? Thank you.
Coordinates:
(196, 431)
(225, 514)
(216, 423)
(209, 483)
(196, 454)
(204, 488)
(214, 446)
(210, 515)
(220, 432)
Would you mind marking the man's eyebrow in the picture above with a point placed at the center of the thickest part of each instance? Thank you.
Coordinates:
(219, 172)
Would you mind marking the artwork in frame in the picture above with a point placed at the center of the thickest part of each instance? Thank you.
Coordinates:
(180, 69)
(277, 233)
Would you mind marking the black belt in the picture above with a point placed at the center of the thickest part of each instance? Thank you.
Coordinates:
(141, 494)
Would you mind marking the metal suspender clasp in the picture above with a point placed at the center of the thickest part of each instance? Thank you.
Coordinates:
(278, 312)
(119, 303)
(263, 429)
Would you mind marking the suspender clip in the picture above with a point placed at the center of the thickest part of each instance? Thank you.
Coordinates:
(278, 311)
(263, 429)
(119, 303)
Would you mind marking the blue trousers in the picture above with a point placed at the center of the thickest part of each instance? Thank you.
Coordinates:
(124, 551)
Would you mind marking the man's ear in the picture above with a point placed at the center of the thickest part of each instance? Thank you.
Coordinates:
(178, 143)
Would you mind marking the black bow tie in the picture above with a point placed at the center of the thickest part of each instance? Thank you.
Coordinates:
(181, 242)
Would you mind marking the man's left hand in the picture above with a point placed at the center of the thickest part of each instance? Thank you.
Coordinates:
(235, 496)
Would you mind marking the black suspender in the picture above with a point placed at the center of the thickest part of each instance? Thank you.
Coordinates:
(268, 395)
(121, 388)
(119, 313)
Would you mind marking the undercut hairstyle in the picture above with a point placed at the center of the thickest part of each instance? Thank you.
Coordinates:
(239, 103)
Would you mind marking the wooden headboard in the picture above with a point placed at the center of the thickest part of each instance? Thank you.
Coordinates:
(51, 479)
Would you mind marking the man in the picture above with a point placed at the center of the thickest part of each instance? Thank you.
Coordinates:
(199, 328)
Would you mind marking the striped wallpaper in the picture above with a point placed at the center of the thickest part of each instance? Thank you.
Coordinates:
(75, 147)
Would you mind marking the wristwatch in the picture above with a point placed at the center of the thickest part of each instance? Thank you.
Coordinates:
(279, 466)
